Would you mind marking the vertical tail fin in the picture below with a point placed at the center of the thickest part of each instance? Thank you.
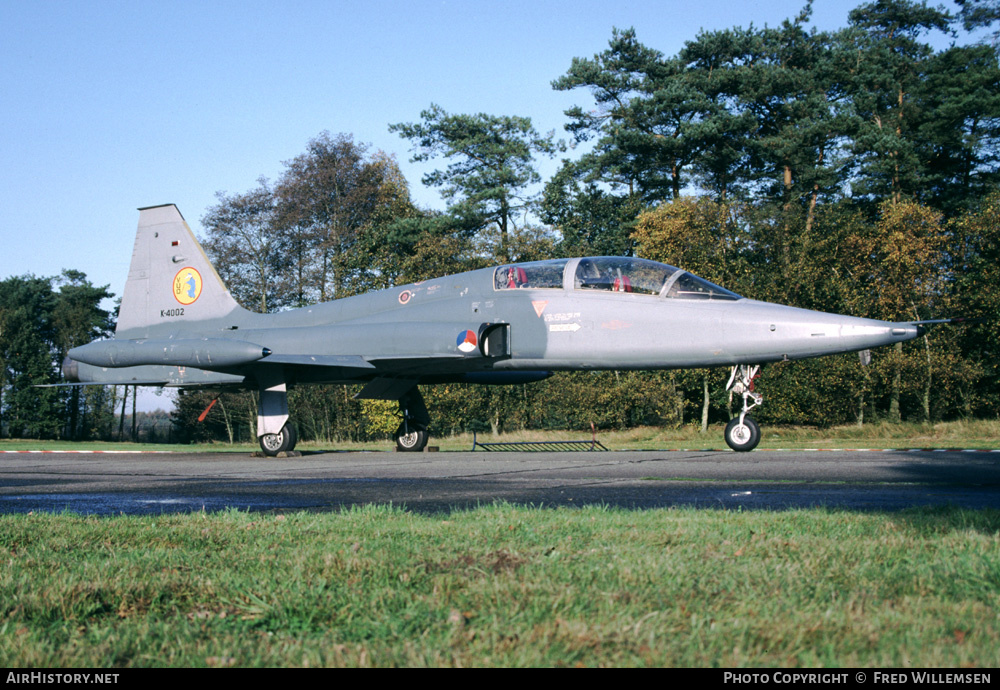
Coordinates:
(171, 282)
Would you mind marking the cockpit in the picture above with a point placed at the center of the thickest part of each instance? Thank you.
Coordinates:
(610, 274)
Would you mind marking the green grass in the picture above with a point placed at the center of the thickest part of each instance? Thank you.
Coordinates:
(961, 434)
(503, 586)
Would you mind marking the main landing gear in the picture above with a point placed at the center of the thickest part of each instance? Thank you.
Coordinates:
(274, 432)
(411, 436)
(277, 435)
(743, 433)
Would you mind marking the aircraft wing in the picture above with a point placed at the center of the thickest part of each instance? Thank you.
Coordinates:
(356, 366)
(343, 361)
(359, 362)
(386, 377)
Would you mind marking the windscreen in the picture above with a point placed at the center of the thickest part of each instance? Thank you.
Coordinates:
(689, 286)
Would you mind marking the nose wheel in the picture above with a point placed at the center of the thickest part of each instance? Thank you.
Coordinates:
(743, 433)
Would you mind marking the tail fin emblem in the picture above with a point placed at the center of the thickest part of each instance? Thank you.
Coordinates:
(187, 285)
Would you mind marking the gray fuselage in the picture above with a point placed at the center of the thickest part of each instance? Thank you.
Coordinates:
(416, 331)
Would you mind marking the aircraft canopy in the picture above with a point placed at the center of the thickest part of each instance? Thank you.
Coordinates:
(611, 273)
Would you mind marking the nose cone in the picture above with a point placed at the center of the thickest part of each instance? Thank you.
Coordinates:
(773, 331)
(865, 333)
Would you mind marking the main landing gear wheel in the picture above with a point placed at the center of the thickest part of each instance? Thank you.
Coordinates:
(410, 438)
(742, 436)
(281, 442)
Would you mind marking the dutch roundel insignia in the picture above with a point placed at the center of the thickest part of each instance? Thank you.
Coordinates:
(466, 341)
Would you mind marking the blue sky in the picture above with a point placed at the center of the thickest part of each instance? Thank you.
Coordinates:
(109, 106)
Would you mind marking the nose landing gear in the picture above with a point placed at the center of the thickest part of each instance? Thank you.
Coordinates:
(743, 433)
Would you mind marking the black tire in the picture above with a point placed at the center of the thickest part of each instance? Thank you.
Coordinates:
(281, 442)
(412, 441)
(742, 437)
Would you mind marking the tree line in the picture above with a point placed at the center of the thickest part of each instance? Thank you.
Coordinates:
(41, 319)
(852, 171)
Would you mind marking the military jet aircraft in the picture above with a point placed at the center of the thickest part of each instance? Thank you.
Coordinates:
(179, 326)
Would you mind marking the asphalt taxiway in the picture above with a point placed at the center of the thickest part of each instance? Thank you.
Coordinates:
(139, 483)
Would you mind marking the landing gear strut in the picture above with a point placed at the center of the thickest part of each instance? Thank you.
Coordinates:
(743, 433)
(411, 436)
(274, 432)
